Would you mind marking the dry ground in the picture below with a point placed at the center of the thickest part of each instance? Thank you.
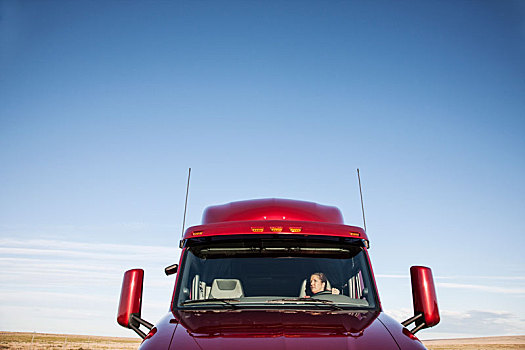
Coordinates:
(485, 343)
(38, 341)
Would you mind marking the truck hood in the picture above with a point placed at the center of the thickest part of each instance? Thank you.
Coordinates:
(290, 330)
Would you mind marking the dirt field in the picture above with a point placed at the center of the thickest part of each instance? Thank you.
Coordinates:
(38, 341)
(487, 343)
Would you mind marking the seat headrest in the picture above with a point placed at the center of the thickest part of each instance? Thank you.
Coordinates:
(226, 288)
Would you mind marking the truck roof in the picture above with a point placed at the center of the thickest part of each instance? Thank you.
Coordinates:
(272, 209)
(273, 216)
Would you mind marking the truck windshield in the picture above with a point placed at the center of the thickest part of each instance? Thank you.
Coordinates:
(270, 273)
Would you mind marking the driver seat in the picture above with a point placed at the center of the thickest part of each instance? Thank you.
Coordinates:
(302, 291)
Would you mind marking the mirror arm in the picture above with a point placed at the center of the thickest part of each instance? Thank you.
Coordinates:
(134, 319)
(138, 331)
(418, 328)
(414, 319)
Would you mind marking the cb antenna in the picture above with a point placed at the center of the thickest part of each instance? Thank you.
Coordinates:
(361, 193)
(186, 203)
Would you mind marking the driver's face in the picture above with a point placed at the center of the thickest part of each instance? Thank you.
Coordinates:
(316, 285)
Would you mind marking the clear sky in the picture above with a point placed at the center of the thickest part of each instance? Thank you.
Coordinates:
(105, 104)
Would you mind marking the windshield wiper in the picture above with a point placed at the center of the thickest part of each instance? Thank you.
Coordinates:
(225, 302)
(313, 301)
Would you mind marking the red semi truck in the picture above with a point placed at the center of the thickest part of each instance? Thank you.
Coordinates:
(276, 274)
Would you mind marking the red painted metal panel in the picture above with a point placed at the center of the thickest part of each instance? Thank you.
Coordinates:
(162, 336)
(403, 337)
(300, 228)
(272, 209)
(130, 296)
(279, 329)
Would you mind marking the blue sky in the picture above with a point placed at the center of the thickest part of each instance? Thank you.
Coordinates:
(105, 105)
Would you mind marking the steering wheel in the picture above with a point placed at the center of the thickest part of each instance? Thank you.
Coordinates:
(324, 292)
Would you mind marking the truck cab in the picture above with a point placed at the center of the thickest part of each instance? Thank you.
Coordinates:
(280, 274)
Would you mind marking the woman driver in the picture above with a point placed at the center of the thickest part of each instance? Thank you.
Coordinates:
(318, 284)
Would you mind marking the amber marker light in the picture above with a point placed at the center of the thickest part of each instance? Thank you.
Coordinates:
(257, 229)
(197, 233)
(354, 234)
(276, 228)
(296, 229)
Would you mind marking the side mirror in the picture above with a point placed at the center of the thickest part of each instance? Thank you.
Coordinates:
(426, 312)
(130, 297)
(170, 270)
(130, 304)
